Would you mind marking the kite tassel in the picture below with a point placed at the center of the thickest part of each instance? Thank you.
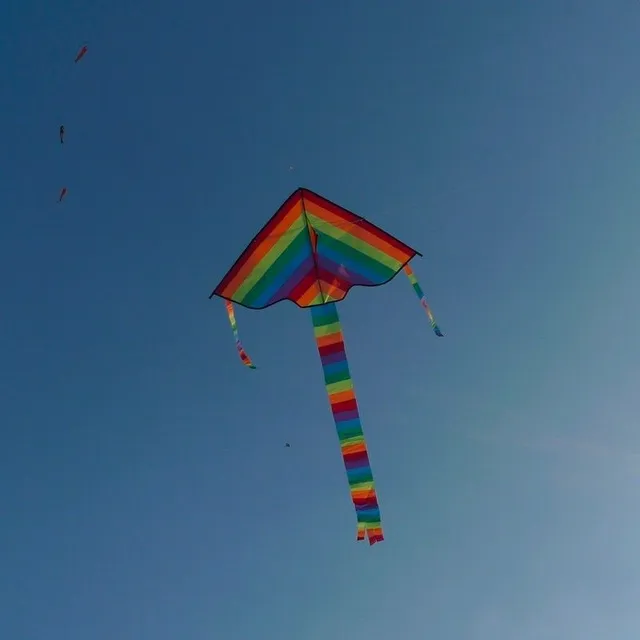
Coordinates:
(423, 301)
(246, 360)
(344, 407)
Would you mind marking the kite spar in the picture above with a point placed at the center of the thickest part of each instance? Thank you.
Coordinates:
(312, 252)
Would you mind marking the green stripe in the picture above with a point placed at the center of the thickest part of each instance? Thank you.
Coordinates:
(350, 432)
(321, 331)
(362, 247)
(370, 518)
(367, 485)
(338, 376)
(384, 271)
(339, 387)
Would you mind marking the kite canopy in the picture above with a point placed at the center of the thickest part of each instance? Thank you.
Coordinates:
(312, 252)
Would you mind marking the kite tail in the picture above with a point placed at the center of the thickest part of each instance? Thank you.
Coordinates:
(328, 334)
(246, 360)
(423, 301)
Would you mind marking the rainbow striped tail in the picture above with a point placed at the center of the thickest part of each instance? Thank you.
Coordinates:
(423, 301)
(246, 360)
(328, 334)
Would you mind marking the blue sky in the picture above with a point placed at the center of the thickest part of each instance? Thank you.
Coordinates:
(144, 488)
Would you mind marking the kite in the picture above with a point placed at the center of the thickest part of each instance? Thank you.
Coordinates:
(312, 252)
(81, 53)
(63, 193)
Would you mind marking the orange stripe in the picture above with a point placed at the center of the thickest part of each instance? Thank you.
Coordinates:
(356, 231)
(359, 447)
(342, 396)
(262, 248)
(355, 493)
(309, 295)
(332, 338)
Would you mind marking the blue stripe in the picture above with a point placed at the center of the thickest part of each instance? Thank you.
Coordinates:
(356, 476)
(333, 368)
(351, 427)
(325, 314)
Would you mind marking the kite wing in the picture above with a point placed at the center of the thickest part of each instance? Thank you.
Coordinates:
(312, 252)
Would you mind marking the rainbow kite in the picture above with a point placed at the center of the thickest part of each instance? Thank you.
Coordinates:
(312, 252)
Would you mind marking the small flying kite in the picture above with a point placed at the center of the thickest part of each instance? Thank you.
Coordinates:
(81, 53)
(63, 193)
(312, 252)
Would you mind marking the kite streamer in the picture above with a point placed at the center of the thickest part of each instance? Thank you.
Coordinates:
(423, 301)
(234, 327)
(328, 334)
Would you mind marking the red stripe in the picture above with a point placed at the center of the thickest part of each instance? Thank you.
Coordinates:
(347, 405)
(330, 349)
(359, 457)
(303, 286)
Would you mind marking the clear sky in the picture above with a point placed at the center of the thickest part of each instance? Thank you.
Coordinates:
(145, 492)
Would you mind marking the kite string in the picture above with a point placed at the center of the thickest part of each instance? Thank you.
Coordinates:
(344, 406)
(246, 360)
(423, 301)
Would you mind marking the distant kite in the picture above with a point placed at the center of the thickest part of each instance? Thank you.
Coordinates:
(63, 193)
(81, 53)
(312, 252)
